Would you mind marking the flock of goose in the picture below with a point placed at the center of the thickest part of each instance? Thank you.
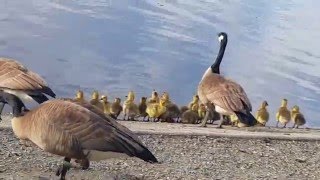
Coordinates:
(88, 131)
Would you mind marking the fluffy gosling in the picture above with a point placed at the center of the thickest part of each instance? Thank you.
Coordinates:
(262, 114)
(283, 115)
(297, 117)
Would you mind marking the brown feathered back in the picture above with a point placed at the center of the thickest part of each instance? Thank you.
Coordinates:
(224, 93)
(14, 75)
(67, 127)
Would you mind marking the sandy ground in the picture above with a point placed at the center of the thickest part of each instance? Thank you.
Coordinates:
(184, 152)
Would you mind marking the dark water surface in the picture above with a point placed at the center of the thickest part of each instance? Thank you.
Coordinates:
(119, 45)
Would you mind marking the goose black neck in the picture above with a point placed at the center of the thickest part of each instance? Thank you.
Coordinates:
(13, 101)
(215, 67)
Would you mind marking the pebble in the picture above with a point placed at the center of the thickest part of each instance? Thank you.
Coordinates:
(180, 157)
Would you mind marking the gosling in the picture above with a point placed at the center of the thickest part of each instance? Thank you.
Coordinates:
(190, 116)
(297, 117)
(143, 107)
(106, 105)
(95, 101)
(283, 115)
(116, 108)
(262, 114)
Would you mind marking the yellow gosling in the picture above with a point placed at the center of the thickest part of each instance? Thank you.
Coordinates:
(195, 101)
(154, 97)
(130, 109)
(283, 115)
(202, 111)
(106, 105)
(262, 114)
(95, 100)
(79, 96)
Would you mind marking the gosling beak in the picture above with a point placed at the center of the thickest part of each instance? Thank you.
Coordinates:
(267, 104)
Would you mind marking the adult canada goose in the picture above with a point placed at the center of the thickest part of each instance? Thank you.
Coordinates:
(76, 130)
(297, 117)
(17, 80)
(227, 96)
(283, 115)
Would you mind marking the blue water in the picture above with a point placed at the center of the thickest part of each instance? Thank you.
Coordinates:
(120, 45)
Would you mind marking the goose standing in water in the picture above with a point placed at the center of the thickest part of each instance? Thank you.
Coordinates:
(227, 96)
(19, 81)
(75, 130)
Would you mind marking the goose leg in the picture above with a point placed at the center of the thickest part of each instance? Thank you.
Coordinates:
(62, 170)
(205, 119)
(277, 124)
(284, 125)
(294, 125)
(124, 116)
(1, 109)
(221, 121)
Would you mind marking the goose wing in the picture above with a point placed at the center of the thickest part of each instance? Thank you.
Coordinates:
(15, 76)
(92, 129)
(224, 93)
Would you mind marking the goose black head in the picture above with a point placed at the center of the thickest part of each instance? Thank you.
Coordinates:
(222, 37)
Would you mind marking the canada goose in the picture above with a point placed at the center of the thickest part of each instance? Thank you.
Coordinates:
(262, 114)
(106, 104)
(154, 97)
(130, 109)
(95, 101)
(18, 80)
(297, 117)
(116, 108)
(283, 115)
(76, 131)
(227, 96)
(195, 100)
(142, 107)
(79, 96)
(190, 116)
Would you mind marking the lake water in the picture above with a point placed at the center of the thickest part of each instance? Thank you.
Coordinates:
(120, 45)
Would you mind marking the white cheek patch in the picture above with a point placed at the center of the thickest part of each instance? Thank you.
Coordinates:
(220, 38)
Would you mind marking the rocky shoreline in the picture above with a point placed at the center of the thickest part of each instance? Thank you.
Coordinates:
(181, 157)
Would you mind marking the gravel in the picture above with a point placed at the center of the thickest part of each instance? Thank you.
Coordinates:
(181, 157)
